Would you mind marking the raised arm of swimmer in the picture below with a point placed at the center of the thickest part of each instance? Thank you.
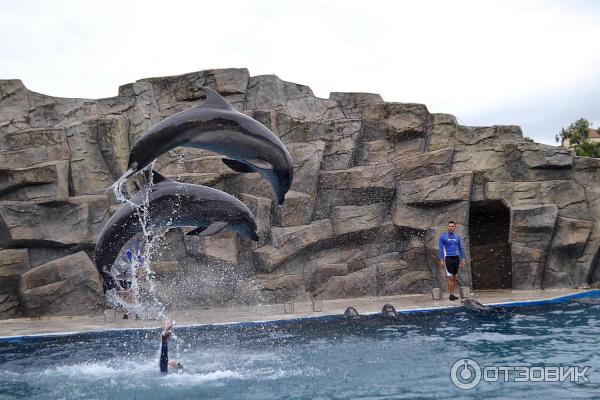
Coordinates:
(164, 363)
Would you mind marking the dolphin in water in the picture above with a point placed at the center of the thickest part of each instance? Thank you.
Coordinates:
(389, 311)
(587, 300)
(473, 305)
(172, 204)
(351, 312)
(216, 126)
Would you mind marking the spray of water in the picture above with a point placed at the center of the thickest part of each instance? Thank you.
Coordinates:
(180, 162)
(142, 299)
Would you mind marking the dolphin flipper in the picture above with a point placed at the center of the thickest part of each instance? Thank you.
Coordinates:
(238, 166)
(213, 228)
(197, 231)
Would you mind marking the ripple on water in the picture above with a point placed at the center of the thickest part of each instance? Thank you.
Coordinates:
(191, 379)
(495, 337)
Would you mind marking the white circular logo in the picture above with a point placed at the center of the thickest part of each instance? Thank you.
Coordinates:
(465, 374)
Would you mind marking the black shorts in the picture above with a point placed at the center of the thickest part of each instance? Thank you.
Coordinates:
(452, 264)
(124, 284)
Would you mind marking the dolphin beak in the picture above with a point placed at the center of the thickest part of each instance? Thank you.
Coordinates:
(132, 170)
(281, 199)
(254, 236)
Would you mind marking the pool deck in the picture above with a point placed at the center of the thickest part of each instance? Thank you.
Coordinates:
(272, 312)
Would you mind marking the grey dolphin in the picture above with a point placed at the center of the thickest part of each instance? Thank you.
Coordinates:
(216, 126)
(389, 311)
(351, 312)
(473, 305)
(172, 204)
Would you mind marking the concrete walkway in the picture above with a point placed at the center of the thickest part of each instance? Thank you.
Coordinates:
(365, 305)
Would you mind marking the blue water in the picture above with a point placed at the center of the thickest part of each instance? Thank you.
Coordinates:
(372, 358)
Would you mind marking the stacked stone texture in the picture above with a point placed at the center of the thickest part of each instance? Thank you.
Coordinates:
(375, 184)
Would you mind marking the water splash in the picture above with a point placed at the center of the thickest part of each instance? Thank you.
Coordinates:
(142, 299)
(180, 162)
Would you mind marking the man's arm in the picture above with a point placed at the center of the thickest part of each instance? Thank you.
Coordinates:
(164, 346)
(460, 250)
(164, 355)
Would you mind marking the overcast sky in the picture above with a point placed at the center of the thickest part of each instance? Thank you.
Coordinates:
(529, 63)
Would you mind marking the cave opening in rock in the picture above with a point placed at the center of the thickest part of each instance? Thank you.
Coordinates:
(491, 266)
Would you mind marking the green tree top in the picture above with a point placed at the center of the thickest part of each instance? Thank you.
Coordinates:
(588, 149)
(577, 133)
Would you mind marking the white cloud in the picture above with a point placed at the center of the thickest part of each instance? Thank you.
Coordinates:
(529, 63)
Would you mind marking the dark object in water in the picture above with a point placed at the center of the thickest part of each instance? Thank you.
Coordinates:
(351, 313)
(389, 311)
(474, 305)
(586, 300)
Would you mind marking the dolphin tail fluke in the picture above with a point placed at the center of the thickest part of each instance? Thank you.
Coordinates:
(246, 168)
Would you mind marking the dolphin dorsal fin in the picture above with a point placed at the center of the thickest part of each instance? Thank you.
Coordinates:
(214, 99)
(158, 178)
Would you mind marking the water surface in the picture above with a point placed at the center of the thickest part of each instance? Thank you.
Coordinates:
(332, 358)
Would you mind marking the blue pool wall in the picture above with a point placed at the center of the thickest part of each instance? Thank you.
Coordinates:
(594, 294)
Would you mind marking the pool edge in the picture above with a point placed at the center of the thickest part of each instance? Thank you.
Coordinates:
(509, 304)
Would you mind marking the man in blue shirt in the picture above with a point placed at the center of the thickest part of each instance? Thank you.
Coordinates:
(451, 255)
(128, 264)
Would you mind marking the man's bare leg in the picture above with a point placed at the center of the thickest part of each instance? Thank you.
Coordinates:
(451, 284)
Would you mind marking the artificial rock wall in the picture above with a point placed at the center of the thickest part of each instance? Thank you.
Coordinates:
(375, 184)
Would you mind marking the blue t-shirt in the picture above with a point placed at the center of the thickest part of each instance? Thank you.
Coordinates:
(450, 245)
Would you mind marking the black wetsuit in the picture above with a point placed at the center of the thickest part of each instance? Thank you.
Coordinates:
(164, 355)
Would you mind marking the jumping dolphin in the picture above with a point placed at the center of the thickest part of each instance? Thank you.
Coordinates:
(172, 204)
(216, 126)
(473, 305)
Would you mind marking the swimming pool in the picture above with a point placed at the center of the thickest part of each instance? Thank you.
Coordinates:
(373, 358)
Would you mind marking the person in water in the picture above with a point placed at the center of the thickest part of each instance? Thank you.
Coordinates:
(164, 363)
(452, 256)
